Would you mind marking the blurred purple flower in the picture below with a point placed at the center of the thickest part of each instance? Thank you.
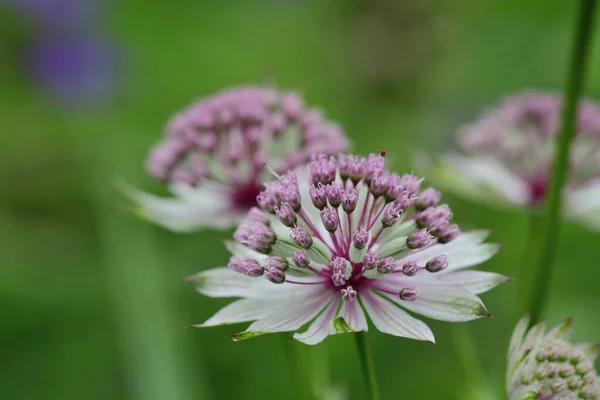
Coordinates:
(73, 70)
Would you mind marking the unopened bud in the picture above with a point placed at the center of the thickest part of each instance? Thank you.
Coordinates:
(370, 260)
(330, 219)
(334, 193)
(360, 238)
(437, 264)
(300, 258)
(386, 265)
(277, 262)
(301, 237)
(418, 240)
(410, 268)
(286, 215)
(318, 196)
(275, 275)
(449, 233)
(349, 200)
(409, 294)
(428, 198)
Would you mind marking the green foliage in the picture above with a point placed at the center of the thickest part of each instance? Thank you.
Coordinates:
(65, 231)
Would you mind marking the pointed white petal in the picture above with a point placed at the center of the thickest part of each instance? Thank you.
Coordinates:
(516, 340)
(583, 205)
(480, 178)
(320, 328)
(388, 317)
(284, 246)
(243, 310)
(392, 247)
(523, 360)
(351, 318)
(535, 335)
(446, 303)
(463, 252)
(586, 198)
(207, 194)
(291, 315)
(561, 331)
(400, 228)
(311, 211)
(353, 315)
(474, 281)
(241, 250)
(224, 282)
(591, 350)
(181, 214)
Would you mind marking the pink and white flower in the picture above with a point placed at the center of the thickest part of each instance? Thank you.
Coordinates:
(546, 366)
(343, 239)
(214, 155)
(507, 154)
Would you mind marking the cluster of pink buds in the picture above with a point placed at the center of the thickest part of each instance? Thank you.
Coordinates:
(343, 238)
(217, 153)
(242, 130)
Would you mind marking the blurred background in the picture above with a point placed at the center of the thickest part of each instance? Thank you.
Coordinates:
(93, 300)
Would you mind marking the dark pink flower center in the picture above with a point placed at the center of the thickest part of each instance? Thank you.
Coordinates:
(244, 196)
(537, 189)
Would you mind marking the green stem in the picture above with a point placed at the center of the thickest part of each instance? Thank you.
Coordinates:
(531, 254)
(477, 384)
(367, 365)
(295, 365)
(318, 360)
(536, 300)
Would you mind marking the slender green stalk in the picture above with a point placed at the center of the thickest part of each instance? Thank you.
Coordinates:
(540, 276)
(295, 366)
(367, 365)
(318, 360)
(477, 386)
(531, 255)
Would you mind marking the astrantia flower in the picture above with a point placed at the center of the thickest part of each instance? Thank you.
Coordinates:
(507, 156)
(546, 366)
(215, 153)
(344, 240)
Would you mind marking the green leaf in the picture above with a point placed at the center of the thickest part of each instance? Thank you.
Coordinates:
(341, 326)
(236, 337)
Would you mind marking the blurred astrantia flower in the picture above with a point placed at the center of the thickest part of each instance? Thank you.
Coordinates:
(341, 239)
(218, 152)
(546, 366)
(507, 154)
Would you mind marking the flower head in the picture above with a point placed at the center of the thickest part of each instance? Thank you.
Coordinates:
(547, 366)
(507, 155)
(215, 153)
(376, 258)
